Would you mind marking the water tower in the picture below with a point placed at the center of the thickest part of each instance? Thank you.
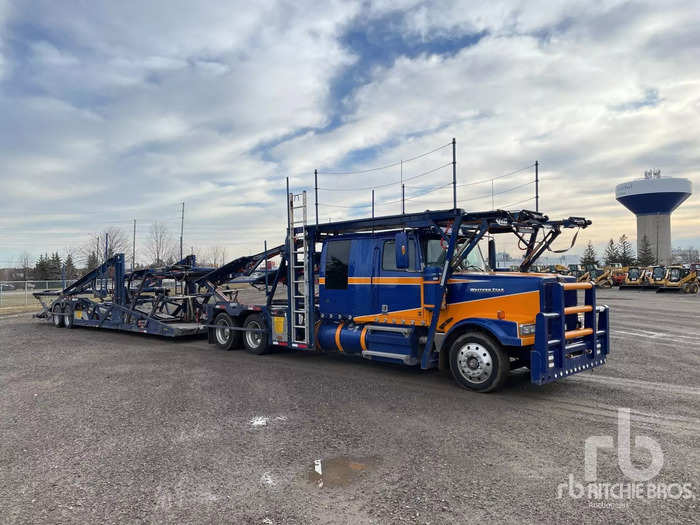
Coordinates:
(652, 199)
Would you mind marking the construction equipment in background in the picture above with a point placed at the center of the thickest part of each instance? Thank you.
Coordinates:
(618, 274)
(636, 277)
(603, 278)
(656, 276)
(680, 279)
(576, 270)
(559, 269)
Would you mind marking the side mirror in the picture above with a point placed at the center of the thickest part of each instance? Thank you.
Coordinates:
(401, 242)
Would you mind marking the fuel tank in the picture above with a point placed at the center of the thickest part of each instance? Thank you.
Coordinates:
(371, 341)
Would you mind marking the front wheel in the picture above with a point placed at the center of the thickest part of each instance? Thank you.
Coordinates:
(478, 362)
(255, 341)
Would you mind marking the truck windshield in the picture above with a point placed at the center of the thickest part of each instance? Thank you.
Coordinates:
(434, 255)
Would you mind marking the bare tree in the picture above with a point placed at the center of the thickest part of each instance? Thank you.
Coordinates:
(214, 256)
(117, 242)
(159, 244)
(24, 261)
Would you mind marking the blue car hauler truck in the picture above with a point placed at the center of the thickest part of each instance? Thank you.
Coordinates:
(414, 289)
(410, 289)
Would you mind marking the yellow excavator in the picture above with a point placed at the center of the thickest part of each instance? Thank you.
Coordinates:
(680, 279)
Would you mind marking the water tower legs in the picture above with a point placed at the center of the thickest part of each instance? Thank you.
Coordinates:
(657, 228)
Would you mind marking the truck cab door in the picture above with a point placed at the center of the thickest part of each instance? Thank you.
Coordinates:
(345, 288)
(399, 290)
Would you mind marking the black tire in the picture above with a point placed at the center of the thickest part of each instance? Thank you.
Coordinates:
(68, 318)
(478, 362)
(57, 318)
(227, 339)
(255, 342)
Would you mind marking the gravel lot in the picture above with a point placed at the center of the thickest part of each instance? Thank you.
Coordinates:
(101, 426)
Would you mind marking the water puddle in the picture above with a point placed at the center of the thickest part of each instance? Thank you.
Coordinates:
(340, 471)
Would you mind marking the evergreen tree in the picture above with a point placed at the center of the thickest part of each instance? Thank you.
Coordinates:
(624, 248)
(55, 266)
(92, 261)
(69, 269)
(611, 255)
(41, 268)
(646, 256)
(589, 257)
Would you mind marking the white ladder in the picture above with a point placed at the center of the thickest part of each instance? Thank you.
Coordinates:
(299, 269)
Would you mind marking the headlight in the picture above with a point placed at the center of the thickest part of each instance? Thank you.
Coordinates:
(527, 329)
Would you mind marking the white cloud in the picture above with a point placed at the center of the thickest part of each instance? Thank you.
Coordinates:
(127, 109)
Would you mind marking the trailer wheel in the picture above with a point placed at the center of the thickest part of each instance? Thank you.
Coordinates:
(227, 339)
(68, 317)
(478, 362)
(255, 342)
(57, 317)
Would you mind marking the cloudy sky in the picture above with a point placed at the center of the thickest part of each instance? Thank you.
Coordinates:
(114, 111)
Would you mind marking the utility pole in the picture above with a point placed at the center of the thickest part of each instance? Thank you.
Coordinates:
(133, 249)
(454, 173)
(373, 204)
(316, 193)
(403, 203)
(182, 226)
(106, 246)
(537, 185)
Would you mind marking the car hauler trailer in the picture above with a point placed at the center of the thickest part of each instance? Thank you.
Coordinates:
(410, 289)
(109, 297)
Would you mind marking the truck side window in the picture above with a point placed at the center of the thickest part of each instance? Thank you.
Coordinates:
(337, 258)
(389, 256)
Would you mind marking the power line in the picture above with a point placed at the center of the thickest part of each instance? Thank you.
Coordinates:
(332, 171)
(375, 187)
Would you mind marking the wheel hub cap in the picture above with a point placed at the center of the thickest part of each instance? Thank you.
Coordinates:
(475, 363)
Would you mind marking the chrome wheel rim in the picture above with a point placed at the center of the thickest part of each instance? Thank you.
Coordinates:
(475, 363)
(222, 334)
(254, 339)
(56, 318)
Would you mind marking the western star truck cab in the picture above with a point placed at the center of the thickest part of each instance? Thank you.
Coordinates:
(416, 289)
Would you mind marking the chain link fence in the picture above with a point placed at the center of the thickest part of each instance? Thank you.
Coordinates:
(20, 293)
